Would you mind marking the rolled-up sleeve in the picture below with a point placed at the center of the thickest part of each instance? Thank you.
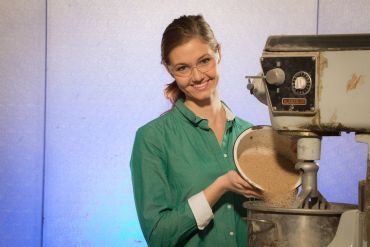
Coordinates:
(201, 210)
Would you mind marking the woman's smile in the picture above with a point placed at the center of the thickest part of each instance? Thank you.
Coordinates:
(201, 86)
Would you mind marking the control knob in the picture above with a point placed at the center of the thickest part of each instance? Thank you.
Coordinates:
(301, 83)
(275, 76)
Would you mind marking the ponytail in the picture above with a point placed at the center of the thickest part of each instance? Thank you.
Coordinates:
(172, 92)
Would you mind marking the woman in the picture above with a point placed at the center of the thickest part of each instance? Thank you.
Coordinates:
(186, 189)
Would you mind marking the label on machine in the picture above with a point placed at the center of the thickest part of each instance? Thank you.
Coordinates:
(293, 101)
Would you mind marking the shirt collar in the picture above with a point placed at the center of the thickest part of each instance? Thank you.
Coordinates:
(196, 120)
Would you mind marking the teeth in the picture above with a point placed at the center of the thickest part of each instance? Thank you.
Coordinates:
(200, 86)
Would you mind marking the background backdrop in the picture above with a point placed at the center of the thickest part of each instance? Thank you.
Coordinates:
(79, 77)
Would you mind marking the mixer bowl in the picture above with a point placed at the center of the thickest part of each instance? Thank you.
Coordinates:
(290, 227)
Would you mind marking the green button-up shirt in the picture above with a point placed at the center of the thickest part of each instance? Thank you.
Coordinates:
(175, 157)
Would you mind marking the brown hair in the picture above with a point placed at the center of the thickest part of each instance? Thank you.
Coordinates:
(180, 31)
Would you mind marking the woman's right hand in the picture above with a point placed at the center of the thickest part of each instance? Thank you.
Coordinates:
(232, 181)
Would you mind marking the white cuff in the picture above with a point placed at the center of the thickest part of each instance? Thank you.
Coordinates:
(201, 210)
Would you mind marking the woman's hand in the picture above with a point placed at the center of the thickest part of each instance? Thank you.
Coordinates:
(230, 181)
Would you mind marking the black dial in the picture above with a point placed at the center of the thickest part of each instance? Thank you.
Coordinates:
(301, 83)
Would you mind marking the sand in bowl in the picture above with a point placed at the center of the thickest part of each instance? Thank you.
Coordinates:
(273, 173)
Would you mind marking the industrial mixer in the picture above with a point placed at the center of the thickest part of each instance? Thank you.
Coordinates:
(314, 86)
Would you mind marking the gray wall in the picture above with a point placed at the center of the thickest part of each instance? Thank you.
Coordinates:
(103, 81)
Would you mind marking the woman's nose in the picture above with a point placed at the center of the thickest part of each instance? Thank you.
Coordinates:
(196, 75)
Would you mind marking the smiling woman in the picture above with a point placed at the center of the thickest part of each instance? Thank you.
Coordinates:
(187, 191)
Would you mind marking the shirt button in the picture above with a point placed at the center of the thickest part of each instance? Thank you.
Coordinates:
(229, 206)
(225, 155)
(231, 233)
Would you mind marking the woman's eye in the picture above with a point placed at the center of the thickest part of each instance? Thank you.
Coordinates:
(181, 68)
(204, 61)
